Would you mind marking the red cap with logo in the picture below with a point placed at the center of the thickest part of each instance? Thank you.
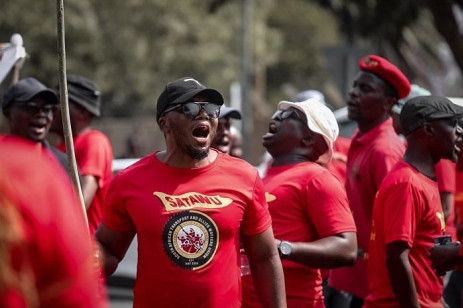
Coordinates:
(386, 71)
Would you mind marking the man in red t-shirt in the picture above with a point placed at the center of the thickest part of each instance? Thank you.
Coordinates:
(408, 219)
(445, 169)
(47, 255)
(191, 206)
(28, 106)
(311, 219)
(94, 154)
(375, 148)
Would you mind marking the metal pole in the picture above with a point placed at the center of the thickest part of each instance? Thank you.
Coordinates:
(246, 70)
(63, 90)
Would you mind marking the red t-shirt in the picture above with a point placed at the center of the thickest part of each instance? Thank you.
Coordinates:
(446, 182)
(54, 249)
(371, 156)
(306, 203)
(338, 163)
(407, 209)
(94, 156)
(458, 198)
(188, 223)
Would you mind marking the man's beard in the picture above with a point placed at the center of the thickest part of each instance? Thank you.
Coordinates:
(197, 154)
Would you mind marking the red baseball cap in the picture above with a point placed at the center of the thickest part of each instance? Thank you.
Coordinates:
(386, 71)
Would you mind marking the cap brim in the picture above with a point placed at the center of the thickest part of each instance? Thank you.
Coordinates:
(81, 102)
(29, 96)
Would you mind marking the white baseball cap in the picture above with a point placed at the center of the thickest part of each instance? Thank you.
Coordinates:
(320, 119)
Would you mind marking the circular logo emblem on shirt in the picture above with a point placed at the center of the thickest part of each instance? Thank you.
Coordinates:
(190, 239)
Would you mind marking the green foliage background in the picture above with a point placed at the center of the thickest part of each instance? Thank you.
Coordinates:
(131, 48)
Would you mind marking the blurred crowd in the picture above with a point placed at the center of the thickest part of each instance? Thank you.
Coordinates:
(373, 220)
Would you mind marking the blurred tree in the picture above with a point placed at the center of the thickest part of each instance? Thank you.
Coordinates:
(305, 29)
(131, 48)
(412, 32)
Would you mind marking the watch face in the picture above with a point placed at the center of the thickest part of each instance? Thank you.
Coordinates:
(285, 248)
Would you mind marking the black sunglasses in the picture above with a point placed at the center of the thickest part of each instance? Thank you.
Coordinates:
(286, 114)
(192, 109)
(34, 108)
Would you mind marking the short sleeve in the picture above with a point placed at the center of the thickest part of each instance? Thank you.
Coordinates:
(399, 212)
(327, 206)
(93, 156)
(256, 217)
(115, 215)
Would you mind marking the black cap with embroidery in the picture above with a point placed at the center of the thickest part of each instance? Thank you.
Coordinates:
(424, 109)
(181, 91)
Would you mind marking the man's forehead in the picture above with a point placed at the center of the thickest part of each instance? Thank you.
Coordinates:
(368, 77)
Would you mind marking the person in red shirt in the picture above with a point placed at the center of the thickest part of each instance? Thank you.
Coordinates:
(341, 145)
(191, 206)
(46, 252)
(408, 218)
(375, 148)
(223, 140)
(453, 291)
(445, 169)
(93, 150)
(311, 219)
(28, 106)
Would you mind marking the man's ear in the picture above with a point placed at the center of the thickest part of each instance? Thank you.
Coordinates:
(308, 141)
(390, 101)
(428, 129)
(163, 125)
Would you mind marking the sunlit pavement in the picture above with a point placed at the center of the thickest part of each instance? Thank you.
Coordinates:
(120, 297)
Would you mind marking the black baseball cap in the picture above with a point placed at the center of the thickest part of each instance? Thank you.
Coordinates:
(424, 109)
(183, 90)
(85, 93)
(26, 89)
(229, 112)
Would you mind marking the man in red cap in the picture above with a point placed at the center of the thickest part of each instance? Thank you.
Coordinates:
(374, 150)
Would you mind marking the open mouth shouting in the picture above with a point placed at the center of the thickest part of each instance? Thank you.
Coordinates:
(201, 133)
(38, 129)
(272, 129)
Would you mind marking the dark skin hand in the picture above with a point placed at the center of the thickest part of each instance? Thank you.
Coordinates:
(445, 257)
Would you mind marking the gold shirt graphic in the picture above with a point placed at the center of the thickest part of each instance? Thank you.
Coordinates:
(269, 197)
(191, 200)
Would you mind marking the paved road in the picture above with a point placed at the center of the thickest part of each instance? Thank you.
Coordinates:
(120, 297)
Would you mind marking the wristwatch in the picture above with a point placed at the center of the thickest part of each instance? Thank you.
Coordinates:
(285, 249)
